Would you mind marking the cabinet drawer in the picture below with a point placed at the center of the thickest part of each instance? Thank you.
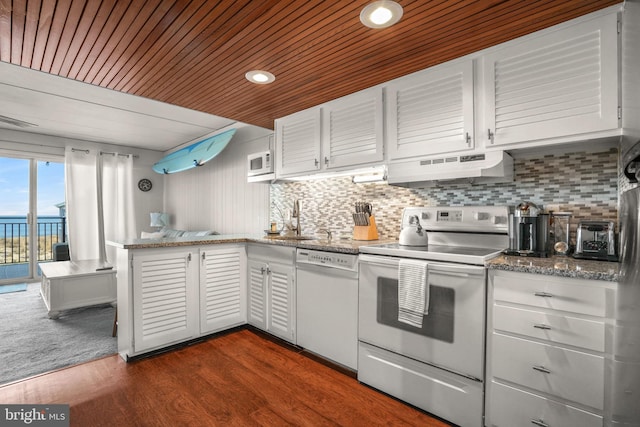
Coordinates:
(550, 292)
(511, 407)
(552, 327)
(568, 374)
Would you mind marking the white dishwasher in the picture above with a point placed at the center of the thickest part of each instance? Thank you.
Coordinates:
(327, 305)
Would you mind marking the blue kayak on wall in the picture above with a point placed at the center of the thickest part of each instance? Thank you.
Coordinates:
(195, 154)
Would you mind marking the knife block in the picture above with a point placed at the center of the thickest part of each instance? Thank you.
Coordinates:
(366, 232)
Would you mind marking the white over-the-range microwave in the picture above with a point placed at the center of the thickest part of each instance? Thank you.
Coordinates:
(260, 163)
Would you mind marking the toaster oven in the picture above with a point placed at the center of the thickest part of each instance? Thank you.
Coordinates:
(596, 240)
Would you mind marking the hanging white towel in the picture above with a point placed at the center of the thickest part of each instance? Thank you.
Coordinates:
(413, 291)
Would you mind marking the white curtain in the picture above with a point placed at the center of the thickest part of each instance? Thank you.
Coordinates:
(117, 197)
(99, 193)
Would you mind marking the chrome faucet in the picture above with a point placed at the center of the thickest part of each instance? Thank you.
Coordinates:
(329, 233)
(296, 215)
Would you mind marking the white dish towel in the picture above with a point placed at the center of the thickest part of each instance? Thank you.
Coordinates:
(413, 291)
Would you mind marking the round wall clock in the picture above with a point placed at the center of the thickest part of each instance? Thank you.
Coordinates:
(144, 184)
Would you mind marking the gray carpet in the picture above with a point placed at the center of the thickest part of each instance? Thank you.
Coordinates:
(31, 343)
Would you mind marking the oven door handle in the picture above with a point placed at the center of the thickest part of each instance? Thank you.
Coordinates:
(451, 273)
(378, 260)
(434, 267)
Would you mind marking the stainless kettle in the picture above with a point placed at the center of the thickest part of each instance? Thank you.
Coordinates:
(413, 234)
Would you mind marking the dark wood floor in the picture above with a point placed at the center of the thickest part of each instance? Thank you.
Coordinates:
(237, 379)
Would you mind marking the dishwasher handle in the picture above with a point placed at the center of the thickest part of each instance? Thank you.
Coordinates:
(327, 270)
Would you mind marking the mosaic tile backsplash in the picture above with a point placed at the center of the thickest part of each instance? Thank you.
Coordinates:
(585, 184)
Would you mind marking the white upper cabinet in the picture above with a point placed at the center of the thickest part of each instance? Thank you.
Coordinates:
(561, 84)
(431, 112)
(352, 129)
(298, 143)
(340, 134)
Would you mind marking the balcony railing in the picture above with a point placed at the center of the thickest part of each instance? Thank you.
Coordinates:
(14, 244)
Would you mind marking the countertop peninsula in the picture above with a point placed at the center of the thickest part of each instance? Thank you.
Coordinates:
(349, 246)
(564, 266)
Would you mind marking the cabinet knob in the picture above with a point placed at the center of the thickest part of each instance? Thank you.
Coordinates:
(542, 326)
(543, 294)
(326, 161)
(316, 162)
(467, 138)
(541, 369)
(490, 135)
(539, 423)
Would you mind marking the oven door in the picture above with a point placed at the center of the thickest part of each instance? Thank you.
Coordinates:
(452, 334)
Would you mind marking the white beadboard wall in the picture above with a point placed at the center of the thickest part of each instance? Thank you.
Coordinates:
(216, 196)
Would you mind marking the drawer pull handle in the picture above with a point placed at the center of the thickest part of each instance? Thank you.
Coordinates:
(543, 294)
(545, 327)
(539, 423)
(541, 369)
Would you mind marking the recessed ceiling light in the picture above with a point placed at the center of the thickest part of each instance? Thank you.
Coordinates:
(260, 77)
(381, 14)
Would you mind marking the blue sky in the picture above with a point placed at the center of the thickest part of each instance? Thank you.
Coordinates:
(14, 187)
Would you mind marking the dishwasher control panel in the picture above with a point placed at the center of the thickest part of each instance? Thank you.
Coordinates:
(327, 259)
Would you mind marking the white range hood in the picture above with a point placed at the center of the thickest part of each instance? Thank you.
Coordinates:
(493, 166)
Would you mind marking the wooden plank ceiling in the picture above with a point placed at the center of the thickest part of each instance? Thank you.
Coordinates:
(194, 53)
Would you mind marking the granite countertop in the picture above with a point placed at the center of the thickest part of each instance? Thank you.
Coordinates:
(554, 266)
(349, 246)
(564, 266)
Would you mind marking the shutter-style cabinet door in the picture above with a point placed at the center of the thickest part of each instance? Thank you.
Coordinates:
(431, 112)
(352, 130)
(222, 288)
(257, 315)
(560, 84)
(298, 143)
(281, 302)
(165, 298)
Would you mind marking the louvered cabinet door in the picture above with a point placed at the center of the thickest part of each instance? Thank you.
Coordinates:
(352, 130)
(165, 309)
(281, 320)
(257, 284)
(431, 112)
(222, 288)
(560, 84)
(298, 143)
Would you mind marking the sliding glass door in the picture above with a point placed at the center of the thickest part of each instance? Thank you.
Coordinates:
(14, 221)
(32, 215)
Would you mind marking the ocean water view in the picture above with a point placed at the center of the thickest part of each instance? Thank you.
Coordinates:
(14, 243)
(16, 226)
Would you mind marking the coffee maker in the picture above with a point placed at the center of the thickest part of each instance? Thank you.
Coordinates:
(528, 231)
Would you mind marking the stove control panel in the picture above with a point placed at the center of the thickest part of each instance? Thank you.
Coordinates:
(449, 216)
(484, 219)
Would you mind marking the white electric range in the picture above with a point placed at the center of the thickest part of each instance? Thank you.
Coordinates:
(437, 365)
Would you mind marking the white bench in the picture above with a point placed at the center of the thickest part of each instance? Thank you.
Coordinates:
(66, 285)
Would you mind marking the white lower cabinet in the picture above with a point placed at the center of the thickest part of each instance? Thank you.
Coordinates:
(170, 295)
(165, 298)
(223, 295)
(271, 272)
(549, 349)
(517, 408)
